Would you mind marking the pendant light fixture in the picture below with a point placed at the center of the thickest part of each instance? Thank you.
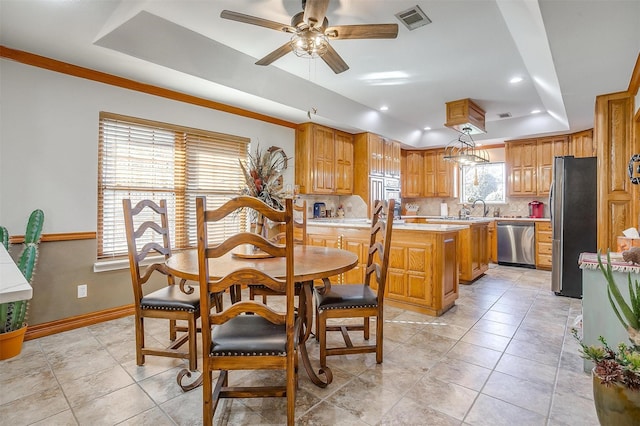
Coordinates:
(463, 150)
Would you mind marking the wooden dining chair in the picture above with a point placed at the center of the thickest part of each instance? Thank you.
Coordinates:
(358, 300)
(247, 335)
(172, 302)
(299, 237)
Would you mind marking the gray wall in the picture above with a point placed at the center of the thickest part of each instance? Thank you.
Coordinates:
(48, 160)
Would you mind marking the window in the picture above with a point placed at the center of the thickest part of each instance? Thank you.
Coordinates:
(484, 181)
(141, 159)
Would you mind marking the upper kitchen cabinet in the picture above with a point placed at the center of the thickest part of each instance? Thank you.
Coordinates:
(521, 164)
(581, 144)
(548, 149)
(391, 158)
(377, 156)
(427, 174)
(324, 160)
(446, 176)
(412, 174)
(344, 163)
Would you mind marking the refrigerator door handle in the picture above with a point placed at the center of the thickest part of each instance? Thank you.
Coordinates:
(551, 207)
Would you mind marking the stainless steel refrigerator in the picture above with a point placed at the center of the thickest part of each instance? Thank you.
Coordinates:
(573, 206)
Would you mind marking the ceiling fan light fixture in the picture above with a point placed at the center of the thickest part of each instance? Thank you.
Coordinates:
(309, 44)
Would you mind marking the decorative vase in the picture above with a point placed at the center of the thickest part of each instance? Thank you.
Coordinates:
(11, 343)
(616, 404)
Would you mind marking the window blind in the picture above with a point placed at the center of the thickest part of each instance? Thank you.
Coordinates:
(142, 159)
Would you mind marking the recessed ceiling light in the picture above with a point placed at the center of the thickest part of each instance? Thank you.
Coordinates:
(515, 80)
(384, 108)
(535, 111)
(427, 128)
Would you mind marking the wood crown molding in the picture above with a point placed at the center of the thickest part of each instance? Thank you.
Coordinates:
(78, 321)
(101, 77)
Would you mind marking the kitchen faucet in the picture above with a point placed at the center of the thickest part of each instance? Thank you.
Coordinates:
(485, 210)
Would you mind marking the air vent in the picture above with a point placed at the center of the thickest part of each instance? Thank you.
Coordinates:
(504, 115)
(413, 18)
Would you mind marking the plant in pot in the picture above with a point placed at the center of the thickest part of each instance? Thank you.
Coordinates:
(616, 374)
(13, 314)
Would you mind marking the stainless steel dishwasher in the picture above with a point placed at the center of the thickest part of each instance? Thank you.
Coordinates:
(516, 243)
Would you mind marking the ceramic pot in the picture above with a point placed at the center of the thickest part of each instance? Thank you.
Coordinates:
(11, 343)
(616, 405)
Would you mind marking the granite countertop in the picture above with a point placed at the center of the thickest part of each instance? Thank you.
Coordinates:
(479, 219)
(398, 224)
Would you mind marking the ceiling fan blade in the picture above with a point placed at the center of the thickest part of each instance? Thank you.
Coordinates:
(275, 55)
(343, 32)
(335, 62)
(248, 19)
(315, 11)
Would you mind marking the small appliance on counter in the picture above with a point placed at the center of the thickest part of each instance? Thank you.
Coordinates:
(319, 210)
(536, 209)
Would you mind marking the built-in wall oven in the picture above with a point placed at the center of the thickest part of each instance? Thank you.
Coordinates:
(392, 189)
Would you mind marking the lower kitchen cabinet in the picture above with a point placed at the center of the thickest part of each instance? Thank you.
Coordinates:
(422, 275)
(473, 247)
(543, 245)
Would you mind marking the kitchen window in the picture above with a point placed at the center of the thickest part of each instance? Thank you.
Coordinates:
(142, 159)
(483, 181)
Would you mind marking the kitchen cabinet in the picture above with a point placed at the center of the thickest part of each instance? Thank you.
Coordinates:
(391, 158)
(446, 176)
(436, 177)
(324, 160)
(618, 206)
(472, 246)
(369, 170)
(543, 245)
(582, 144)
(521, 164)
(548, 149)
(492, 241)
(344, 163)
(422, 275)
(412, 174)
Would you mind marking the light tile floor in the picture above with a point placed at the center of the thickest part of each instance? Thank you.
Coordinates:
(502, 356)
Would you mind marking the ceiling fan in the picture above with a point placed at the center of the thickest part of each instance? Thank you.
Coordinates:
(311, 33)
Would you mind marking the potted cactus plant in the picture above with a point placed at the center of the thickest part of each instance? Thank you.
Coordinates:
(13, 314)
(616, 374)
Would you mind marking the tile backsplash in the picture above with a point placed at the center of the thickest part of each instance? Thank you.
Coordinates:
(355, 207)
(513, 207)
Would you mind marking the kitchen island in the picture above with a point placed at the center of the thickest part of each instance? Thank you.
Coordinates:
(423, 262)
(474, 247)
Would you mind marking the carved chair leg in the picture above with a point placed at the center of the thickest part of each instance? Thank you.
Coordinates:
(322, 335)
(193, 344)
(139, 340)
(366, 328)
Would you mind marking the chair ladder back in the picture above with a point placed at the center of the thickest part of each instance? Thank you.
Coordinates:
(137, 255)
(377, 268)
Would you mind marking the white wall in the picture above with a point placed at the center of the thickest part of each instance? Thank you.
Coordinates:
(49, 142)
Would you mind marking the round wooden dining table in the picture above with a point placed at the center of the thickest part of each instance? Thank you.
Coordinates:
(310, 263)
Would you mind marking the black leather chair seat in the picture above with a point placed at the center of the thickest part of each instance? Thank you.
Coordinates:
(347, 296)
(173, 299)
(248, 335)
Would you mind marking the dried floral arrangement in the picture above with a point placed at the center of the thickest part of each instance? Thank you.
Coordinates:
(263, 175)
